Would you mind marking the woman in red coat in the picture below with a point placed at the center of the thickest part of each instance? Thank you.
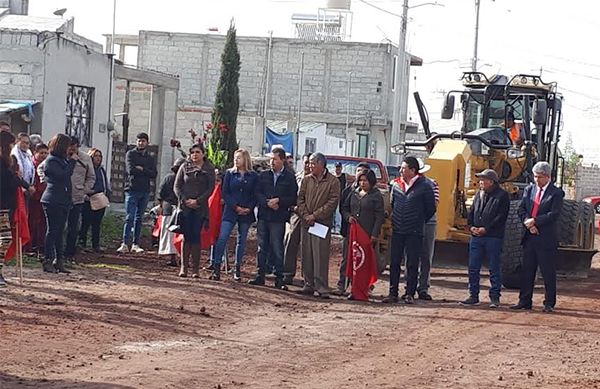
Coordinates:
(37, 220)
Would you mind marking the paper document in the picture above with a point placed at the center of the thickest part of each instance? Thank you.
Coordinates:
(319, 230)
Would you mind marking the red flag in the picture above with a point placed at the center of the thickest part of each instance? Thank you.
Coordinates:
(361, 267)
(208, 236)
(156, 229)
(20, 224)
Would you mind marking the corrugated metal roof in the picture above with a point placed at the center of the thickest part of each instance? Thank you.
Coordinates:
(31, 23)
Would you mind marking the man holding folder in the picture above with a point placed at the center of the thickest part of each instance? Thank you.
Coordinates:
(317, 201)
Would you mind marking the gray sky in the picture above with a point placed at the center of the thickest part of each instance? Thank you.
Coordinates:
(516, 36)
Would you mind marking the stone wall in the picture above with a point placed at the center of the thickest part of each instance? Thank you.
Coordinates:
(587, 181)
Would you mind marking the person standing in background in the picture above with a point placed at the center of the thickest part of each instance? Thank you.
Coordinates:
(37, 222)
(82, 182)
(140, 168)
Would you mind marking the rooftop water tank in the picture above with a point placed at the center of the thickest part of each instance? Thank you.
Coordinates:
(338, 4)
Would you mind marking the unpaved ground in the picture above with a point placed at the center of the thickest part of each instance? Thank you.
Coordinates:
(141, 326)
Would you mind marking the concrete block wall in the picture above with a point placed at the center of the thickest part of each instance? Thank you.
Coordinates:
(196, 59)
(587, 181)
(140, 99)
(21, 66)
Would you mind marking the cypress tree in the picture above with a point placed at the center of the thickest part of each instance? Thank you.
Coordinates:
(227, 101)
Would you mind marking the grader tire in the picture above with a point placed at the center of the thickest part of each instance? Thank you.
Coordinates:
(512, 251)
(588, 220)
(570, 227)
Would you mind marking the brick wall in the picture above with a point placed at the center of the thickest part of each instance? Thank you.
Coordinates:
(587, 181)
(21, 66)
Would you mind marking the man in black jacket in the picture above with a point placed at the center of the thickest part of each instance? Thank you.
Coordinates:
(539, 212)
(487, 220)
(140, 168)
(276, 191)
(413, 203)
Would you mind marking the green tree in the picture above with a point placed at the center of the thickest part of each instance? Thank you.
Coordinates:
(572, 159)
(227, 101)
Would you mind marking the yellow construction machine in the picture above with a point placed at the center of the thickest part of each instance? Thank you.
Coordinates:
(532, 109)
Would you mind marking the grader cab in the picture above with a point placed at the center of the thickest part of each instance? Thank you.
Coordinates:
(507, 125)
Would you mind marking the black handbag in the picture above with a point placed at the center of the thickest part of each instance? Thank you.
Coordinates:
(176, 225)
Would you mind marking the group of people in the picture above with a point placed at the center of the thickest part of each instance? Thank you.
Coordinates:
(63, 189)
(60, 183)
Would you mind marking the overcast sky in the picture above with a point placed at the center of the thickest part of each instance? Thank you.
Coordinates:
(516, 36)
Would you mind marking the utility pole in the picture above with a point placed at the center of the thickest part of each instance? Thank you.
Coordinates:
(474, 60)
(296, 150)
(400, 104)
(348, 111)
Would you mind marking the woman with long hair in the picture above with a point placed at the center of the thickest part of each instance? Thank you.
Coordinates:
(238, 192)
(93, 217)
(9, 182)
(37, 220)
(56, 200)
(194, 184)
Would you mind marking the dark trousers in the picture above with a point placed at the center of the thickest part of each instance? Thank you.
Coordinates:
(545, 258)
(481, 248)
(409, 244)
(270, 246)
(73, 229)
(192, 225)
(56, 218)
(93, 219)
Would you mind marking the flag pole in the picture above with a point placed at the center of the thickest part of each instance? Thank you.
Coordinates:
(19, 255)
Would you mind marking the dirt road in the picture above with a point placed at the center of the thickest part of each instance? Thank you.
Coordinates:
(129, 322)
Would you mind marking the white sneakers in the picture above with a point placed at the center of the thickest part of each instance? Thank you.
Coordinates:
(134, 249)
(123, 248)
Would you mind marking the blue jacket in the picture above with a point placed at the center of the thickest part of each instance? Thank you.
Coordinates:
(286, 190)
(57, 172)
(412, 208)
(547, 217)
(238, 190)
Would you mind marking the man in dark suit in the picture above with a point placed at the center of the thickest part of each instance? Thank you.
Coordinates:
(276, 191)
(539, 212)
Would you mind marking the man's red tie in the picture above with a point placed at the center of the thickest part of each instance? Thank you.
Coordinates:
(536, 203)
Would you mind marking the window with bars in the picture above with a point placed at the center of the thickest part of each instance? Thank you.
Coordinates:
(79, 113)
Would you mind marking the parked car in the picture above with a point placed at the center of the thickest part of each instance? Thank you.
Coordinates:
(595, 201)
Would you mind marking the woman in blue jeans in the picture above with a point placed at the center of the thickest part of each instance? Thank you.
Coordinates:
(238, 192)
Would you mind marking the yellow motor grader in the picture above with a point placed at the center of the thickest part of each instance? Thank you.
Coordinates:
(488, 106)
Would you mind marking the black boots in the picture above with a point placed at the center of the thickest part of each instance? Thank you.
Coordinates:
(195, 251)
(47, 266)
(216, 274)
(258, 280)
(237, 273)
(59, 265)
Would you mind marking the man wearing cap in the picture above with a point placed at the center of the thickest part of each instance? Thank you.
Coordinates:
(487, 219)
(337, 216)
(426, 257)
(140, 168)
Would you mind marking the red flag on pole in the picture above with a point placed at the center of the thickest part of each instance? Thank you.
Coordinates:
(19, 222)
(361, 267)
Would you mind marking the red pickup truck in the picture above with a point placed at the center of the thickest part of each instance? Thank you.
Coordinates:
(349, 167)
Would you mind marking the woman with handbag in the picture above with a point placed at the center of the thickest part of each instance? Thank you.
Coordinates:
(95, 204)
(194, 184)
(167, 201)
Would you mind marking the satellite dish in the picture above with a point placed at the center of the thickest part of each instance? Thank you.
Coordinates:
(60, 12)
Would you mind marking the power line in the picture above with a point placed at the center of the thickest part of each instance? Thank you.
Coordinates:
(381, 9)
